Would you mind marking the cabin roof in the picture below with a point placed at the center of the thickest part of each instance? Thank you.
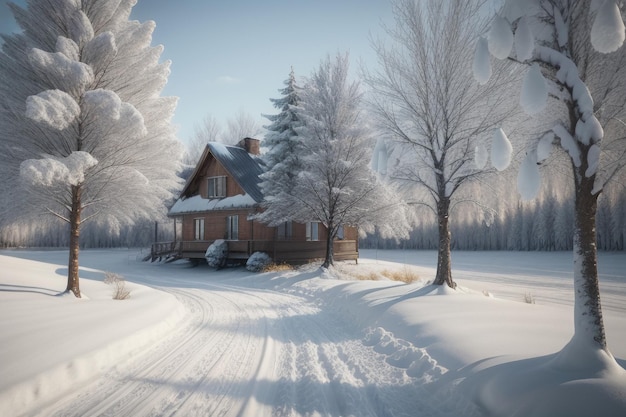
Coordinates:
(243, 167)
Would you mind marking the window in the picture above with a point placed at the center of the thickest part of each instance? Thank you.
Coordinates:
(217, 187)
(284, 231)
(232, 228)
(340, 232)
(312, 231)
(198, 229)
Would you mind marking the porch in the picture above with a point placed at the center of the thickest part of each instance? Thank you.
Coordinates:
(289, 251)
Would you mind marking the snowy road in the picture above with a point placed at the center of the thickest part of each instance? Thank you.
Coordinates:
(246, 352)
(303, 342)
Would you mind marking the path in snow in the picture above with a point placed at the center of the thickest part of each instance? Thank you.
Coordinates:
(245, 352)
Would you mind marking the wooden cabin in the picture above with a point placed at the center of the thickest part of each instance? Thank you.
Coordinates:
(219, 200)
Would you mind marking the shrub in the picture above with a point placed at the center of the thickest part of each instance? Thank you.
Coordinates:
(258, 261)
(120, 292)
(216, 254)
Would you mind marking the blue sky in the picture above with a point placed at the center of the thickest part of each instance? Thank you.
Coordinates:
(233, 55)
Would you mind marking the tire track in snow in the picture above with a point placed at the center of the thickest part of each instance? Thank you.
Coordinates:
(246, 352)
(145, 386)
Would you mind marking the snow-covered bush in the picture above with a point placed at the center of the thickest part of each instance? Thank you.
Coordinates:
(216, 254)
(120, 292)
(258, 261)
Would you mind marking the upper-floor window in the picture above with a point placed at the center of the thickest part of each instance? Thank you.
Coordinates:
(217, 187)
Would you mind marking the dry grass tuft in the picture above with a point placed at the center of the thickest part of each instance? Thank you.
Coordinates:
(370, 276)
(120, 292)
(405, 275)
(529, 298)
(277, 267)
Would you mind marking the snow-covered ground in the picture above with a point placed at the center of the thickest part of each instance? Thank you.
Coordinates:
(199, 342)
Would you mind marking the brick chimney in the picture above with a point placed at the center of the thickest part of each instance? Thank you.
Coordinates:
(251, 145)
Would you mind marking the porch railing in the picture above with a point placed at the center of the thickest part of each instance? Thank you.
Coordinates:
(280, 250)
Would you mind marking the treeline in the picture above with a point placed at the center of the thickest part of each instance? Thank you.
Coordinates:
(544, 224)
(503, 223)
(56, 235)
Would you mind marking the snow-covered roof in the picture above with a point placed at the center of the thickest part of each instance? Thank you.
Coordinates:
(197, 204)
(242, 167)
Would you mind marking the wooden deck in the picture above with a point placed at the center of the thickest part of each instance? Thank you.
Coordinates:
(289, 251)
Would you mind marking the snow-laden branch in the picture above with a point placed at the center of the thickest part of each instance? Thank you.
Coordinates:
(53, 171)
(54, 108)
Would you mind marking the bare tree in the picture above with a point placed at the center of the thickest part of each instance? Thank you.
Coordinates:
(209, 130)
(239, 126)
(426, 101)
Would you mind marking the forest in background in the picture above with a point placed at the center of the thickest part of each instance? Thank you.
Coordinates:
(507, 223)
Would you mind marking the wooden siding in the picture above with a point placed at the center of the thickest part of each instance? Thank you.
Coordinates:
(215, 225)
(215, 169)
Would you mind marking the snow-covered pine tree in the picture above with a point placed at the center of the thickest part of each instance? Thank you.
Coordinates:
(84, 132)
(336, 184)
(573, 50)
(283, 152)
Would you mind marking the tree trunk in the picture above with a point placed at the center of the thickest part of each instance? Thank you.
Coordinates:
(444, 268)
(328, 259)
(72, 270)
(588, 322)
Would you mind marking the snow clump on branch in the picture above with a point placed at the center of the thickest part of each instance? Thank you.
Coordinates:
(482, 64)
(500, 38)
(608, 32)
(50, 171)
(53, 108)
(500, 150)
(534, 94)
(529, 178)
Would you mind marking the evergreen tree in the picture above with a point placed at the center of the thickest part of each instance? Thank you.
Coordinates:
(282, 157)
(84, 132)
(335, 184)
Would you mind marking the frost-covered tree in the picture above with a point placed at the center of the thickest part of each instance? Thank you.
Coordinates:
(572, 51)
(425, 100)
(84, 132)
(336, 184)
(283, 149)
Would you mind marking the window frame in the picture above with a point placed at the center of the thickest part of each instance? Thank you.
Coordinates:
(312, 231)
(198, 228)
(216, 186)
(232, 227)
(284, 231)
